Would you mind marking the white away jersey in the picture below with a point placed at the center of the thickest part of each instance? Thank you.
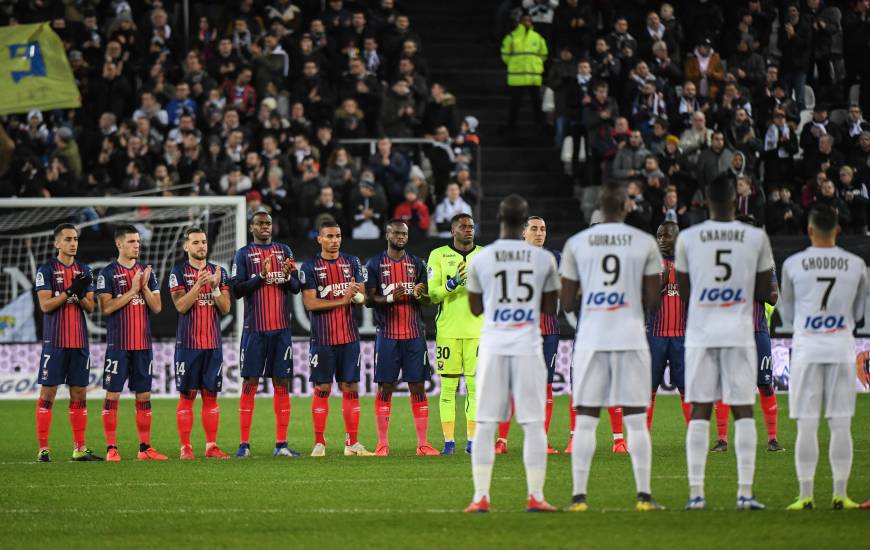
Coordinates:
(610, 260)
(512, 276)
(722, 259)
(822, 295)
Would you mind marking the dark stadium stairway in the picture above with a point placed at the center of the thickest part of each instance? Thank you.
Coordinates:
(463, 54)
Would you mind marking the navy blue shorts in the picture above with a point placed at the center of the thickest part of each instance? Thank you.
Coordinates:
(668, 352)
(198, 369)
(410, 357)
(551, 348)
(339, 363)
(128, 366)
(765, 359)
(267, 354)
(69, 366)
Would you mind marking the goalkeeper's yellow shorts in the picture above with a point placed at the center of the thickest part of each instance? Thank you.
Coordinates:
(455, 356)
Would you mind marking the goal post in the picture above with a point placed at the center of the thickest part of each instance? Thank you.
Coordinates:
(26, 239)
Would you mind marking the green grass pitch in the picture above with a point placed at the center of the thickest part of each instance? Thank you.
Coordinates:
(399, 501)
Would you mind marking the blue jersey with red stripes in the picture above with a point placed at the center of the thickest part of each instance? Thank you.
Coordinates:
(198, 327)
(759, 317)
(670, 319)
(64, 327)
(127, 328)
(267, 308)
(550, 323)
(403, 319)
(330, 279)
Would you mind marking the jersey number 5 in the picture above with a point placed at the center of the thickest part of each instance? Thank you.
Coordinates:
(720, 262)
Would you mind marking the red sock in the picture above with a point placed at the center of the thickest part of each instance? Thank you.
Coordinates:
(184, 416)
(350, 410)
(383, 408)
(143, 421)
(78, 419)
(505, 427)
(211, 415)
(616, 421)
(722, 411)
(572, 414)
(281, 405)
(420, 410)
(43, 421)
(687, 408)
(769, 409)
(319, 414)
(548, 412)
(246, 411)
(110, 421)
(649, 411)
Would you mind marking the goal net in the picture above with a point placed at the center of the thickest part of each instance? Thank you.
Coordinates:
(26, 242)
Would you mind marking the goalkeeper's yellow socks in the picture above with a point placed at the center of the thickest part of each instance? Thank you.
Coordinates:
(470, 406)
(447, 405)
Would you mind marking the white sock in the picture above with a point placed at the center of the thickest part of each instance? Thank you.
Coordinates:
(697, 439)
(640, 449)
(745, 444)
(535, 458)
(584, 448)
(840, 453)
(806, 454)
(482, 459)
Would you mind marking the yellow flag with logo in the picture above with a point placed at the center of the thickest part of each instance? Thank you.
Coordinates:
(34, 71)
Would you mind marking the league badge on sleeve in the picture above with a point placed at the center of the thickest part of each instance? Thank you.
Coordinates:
(40, 279)
(101, 282)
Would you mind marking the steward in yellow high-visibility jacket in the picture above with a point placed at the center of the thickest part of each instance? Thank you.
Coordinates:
(524, 51)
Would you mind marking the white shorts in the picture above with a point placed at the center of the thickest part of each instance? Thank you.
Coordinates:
(502, 378)
(811, 383)
(611, 378)
(729, 374)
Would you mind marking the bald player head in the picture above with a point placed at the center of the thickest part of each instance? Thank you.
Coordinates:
(612, 202)
(512, 213)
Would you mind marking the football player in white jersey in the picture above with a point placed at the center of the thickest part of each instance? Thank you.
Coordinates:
(824, 289)
(722, 266)
(614, 269)
(511, 283)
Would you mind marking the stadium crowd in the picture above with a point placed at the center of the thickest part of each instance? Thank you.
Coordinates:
(253, 102)
(668, 99)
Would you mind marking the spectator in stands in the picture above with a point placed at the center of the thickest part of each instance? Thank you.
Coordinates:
(364, 88)
(794, 41)
(391, 170)
(861, 155)
(240, 94)
(713, 161)
(606, 65)
(782, 216)
(326, 205)
(413, 212)
(663, 67)
(181, 104)
(825, 158)
(467, 187)
(704, 69)
(350, 120)
(653, 33)
(440, 111)
(854, 194)
(576, 93)
(542, 12)
(136, 179)
(562, 71)
(750, 201)
(855, 126)
(367, 209)
(399, 112)
(315, 91)
(825, 29)
(684, 108)
(451, 205)
(235, 182)
(442, 158)
(698, 137)
(828, 195)
(629, 160)
(68, 150)
(523, 52)
(671, 210)
(639, 210)
(780, 146)
(820, 126)
(574, 25)
(747, 65)
(341, 174)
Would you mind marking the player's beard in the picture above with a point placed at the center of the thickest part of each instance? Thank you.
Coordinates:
(396, 246)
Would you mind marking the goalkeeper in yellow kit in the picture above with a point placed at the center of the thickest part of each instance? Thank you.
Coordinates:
(457, 330)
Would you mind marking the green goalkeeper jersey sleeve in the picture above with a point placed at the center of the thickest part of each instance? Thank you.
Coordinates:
(454, 319)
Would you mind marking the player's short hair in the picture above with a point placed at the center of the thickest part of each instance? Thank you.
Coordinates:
(396, 221)
(533, 218)
(721, 192)
(325, 224)
(669, 223)
(123, 230)
(612, 199)
(259, 212)
(456, 219)
(824, 218)
(64, 226)
(191, 230)
(513, 210)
